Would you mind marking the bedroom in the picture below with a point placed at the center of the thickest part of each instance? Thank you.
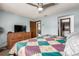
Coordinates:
(12, 14)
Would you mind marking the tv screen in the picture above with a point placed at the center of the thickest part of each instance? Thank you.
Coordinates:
(19, 28)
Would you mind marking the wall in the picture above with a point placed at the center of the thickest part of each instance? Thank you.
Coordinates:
(7, 21)
(50, 23)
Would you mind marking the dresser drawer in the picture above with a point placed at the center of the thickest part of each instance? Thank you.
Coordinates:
(14, 37)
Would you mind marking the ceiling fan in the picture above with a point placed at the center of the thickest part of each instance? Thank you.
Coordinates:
(42, 6)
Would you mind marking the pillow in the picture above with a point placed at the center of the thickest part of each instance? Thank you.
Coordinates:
(72, 34)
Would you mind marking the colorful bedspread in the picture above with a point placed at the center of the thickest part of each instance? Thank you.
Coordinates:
(40, 46)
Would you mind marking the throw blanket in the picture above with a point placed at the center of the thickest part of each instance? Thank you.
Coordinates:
(40, 46)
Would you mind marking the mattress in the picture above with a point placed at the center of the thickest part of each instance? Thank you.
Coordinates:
(47, 45)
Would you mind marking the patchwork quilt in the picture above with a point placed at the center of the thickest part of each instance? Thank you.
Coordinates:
(40, 46)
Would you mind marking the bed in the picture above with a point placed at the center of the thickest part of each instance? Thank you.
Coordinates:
(72, 45)
(46, 45)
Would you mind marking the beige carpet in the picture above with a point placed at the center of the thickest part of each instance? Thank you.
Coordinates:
(4, 52)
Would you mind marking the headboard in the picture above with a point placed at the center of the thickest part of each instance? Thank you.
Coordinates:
(14, 37)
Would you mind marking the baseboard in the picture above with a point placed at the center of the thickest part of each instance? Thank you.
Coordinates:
(3, 48)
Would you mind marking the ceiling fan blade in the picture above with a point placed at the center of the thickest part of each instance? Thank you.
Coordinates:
(32, 4)
(48, 5)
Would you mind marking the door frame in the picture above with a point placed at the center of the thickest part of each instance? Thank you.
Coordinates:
(37, 27)
(71, 23)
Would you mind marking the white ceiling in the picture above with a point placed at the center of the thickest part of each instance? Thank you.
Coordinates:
(26, 10)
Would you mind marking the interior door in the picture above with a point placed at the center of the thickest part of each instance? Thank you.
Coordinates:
(33, 29)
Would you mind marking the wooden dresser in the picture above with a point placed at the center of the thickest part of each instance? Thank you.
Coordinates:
(14, 37)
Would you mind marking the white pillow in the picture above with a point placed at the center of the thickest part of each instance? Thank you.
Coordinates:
(72, 34)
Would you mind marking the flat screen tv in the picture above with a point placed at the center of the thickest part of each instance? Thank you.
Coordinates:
(19, 28)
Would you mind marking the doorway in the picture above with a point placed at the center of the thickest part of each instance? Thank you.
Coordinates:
(35, 28)
(65, 25)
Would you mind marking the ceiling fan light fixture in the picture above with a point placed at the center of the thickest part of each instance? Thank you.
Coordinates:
(41, 6)
(40, 9)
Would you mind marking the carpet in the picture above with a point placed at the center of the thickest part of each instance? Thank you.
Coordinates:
(4, 52)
